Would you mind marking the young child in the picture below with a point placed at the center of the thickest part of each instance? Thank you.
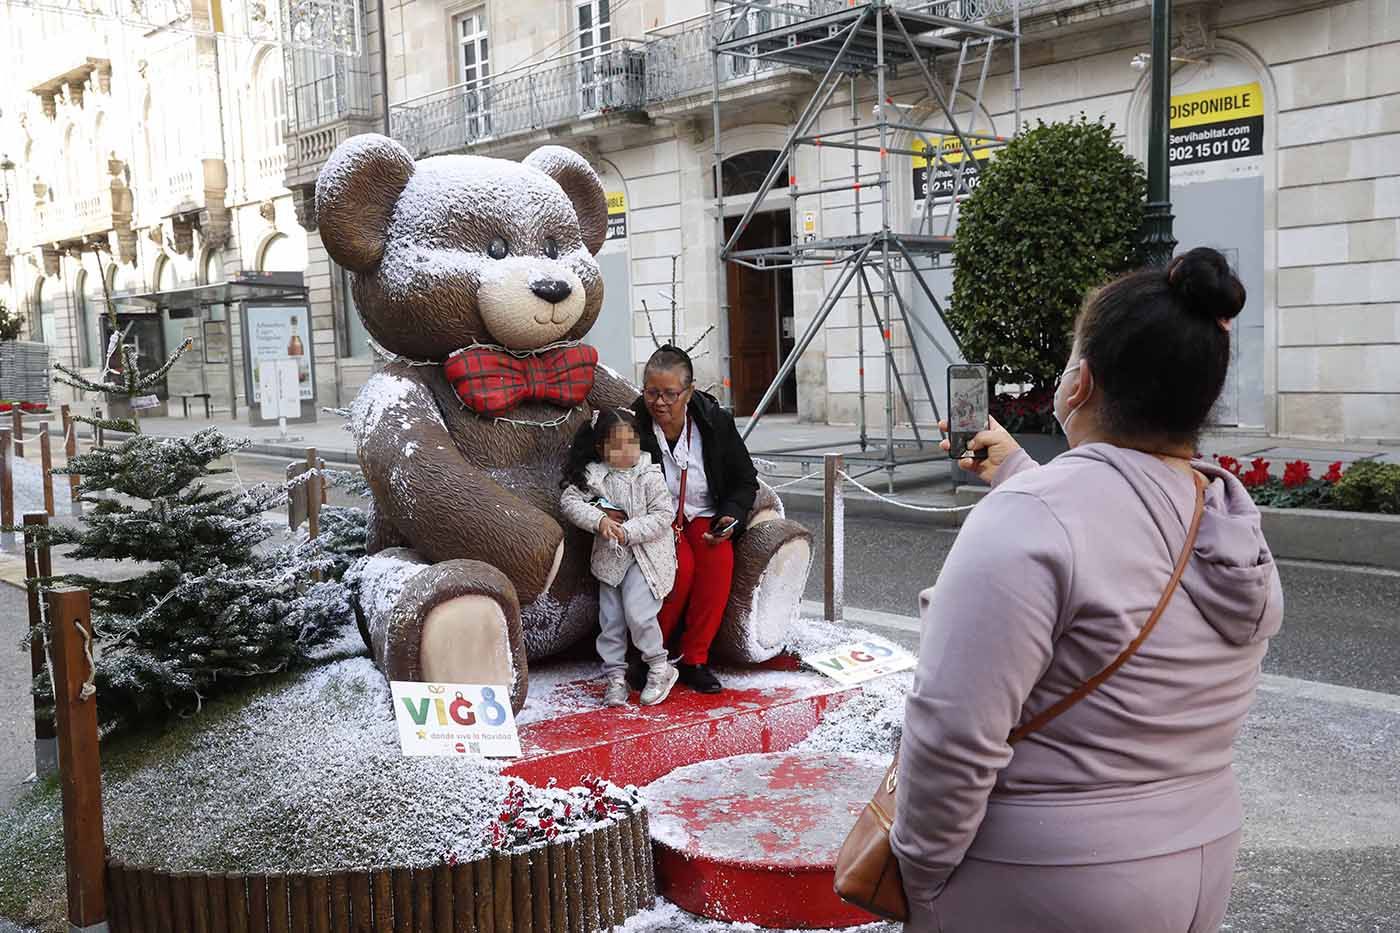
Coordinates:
(613, 490)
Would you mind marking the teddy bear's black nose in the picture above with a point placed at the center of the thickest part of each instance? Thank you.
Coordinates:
(551, 290)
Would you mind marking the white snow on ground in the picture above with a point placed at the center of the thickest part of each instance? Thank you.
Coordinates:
(308, 776)
(560, 690)
(666, 917)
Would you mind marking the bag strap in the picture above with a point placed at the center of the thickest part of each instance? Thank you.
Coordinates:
(1089, 686)
(678, 523)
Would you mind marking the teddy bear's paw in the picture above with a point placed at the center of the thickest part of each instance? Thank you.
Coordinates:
(457, 621)
(466, 640)
(771, 563)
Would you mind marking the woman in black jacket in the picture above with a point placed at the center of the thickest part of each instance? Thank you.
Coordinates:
(699, 447)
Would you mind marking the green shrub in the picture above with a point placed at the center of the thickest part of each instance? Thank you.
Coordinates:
(1055, 214)
(1369, 487)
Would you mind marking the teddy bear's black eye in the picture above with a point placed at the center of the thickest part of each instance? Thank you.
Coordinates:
(499, 249)
(551, 248)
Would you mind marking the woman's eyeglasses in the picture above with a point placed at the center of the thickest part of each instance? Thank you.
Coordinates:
(669, 396)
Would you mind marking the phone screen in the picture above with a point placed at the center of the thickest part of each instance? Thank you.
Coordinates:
(967, 408)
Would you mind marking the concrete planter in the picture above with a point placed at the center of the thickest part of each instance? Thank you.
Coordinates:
(1338, 537)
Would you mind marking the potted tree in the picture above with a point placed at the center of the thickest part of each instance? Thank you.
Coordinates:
(1055, 214)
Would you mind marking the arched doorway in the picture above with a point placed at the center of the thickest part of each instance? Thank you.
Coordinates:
(761, 331)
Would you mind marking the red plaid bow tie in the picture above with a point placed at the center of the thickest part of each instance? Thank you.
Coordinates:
(492, 382)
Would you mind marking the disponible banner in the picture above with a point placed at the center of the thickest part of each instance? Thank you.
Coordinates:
(455, 719)
(617, 215)
(1217, 134)
(280, 332)
(941, 182)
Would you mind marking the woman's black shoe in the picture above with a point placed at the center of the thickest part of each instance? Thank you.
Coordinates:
(699, 678)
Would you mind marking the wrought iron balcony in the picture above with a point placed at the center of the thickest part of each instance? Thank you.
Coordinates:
(609, 78)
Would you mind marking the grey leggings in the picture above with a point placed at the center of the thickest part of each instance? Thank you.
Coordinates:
(628, 609)
(1184, 892)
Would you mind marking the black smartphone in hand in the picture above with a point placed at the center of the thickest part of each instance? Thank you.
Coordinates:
(967, 409)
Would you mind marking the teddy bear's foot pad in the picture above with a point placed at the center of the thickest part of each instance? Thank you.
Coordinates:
(770, 574)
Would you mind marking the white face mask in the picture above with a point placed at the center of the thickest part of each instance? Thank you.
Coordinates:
(1068, 416)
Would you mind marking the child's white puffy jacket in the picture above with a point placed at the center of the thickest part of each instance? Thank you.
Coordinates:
(640, 492)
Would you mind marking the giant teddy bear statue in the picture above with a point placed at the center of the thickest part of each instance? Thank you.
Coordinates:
(478, 276)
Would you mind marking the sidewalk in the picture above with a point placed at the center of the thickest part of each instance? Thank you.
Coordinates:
(931, 483)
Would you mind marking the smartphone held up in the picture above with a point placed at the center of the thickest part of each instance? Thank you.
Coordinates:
(967, 409)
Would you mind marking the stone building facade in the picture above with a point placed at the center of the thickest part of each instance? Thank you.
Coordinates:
(1284, 156)
(1306, 200)
(153, 154)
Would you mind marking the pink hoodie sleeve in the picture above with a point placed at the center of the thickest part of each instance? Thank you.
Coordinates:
(1018, 462)
(987, 635)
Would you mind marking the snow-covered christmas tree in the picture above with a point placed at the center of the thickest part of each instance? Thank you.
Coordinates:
(208, 601)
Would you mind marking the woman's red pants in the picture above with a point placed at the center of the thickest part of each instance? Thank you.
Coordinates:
(704, 573)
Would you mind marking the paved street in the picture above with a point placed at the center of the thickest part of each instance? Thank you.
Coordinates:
(1319, 758)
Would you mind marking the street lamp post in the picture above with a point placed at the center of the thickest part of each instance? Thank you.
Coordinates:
(1157, 239)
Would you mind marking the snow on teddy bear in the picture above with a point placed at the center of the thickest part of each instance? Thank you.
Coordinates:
(478, 275)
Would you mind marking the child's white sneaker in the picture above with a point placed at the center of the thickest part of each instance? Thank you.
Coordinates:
(661, 677)
(616, 693)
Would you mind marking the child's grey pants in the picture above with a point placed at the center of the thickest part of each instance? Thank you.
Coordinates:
(629, 608)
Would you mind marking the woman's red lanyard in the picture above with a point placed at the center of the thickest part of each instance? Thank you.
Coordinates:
(678, 525)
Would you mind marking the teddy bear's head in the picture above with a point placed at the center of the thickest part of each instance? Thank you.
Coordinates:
(460, 249)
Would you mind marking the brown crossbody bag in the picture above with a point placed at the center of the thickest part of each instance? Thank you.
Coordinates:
(867, 872)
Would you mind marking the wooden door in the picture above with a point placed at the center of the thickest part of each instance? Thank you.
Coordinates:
(754, 299)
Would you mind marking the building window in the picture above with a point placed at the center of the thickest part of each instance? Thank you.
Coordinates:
(744, 173)
(356, 342)
(90, 306)
(280, 255)
(594, 18)
(46, 326)
(474, 72)
(271, 102)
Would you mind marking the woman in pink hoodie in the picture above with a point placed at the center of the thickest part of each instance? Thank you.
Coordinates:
(1122, 815)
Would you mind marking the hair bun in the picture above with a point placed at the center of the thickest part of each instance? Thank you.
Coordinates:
(1203, 280)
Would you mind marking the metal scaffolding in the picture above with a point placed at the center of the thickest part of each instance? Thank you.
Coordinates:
(860, 44)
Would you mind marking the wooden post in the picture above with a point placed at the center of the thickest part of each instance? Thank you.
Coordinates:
(422, 900)
(500, 885)
(236, 896)
(539, 888)
(463, 899)
(442, 899)
(573, 889)
(361, 911)
(257, 903)
(485, 895)
(834, 524)
(7, 489)
(38, 564)
(602, 872)
(313, 494)
(521, 894)
(17, 420)
(70, 450)
(558, 907)
(46, 465)
(341, 912)
(382, 883)
(318, 893)
(403, 900)
(70, 615)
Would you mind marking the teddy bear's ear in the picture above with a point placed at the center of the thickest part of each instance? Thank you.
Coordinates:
(355, 197)
(582, 185)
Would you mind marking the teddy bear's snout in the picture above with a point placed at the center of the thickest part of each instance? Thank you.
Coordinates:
(551, 290)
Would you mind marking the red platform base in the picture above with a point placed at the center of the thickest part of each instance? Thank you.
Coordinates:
(754, 839)
(764, 712)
